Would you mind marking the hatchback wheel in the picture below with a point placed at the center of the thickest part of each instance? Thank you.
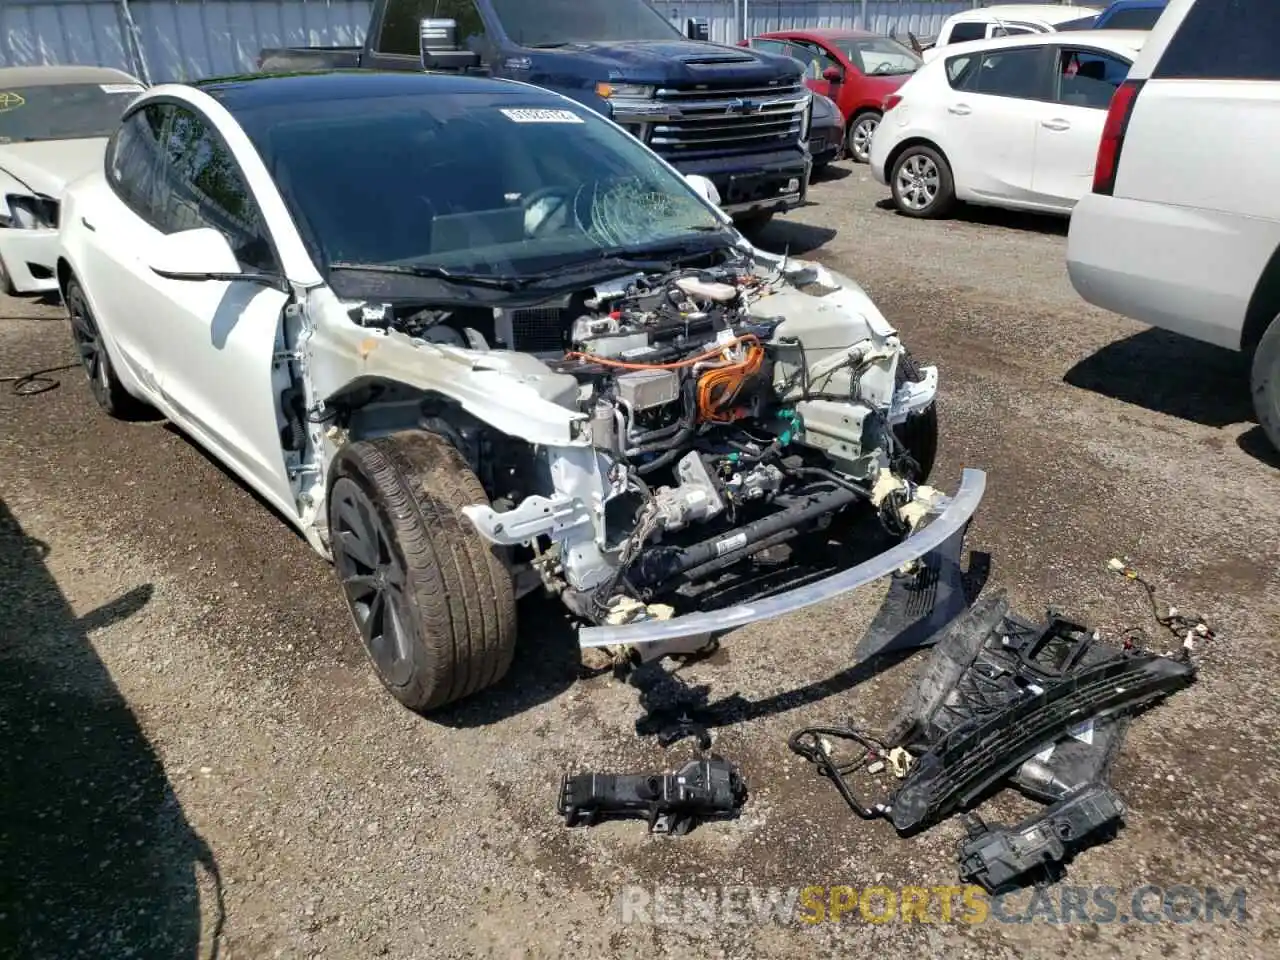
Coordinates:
(858, 139)
(96, 361)
(922, 184)
(1265, 383)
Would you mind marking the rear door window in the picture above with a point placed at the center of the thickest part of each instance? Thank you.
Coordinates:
(1010, 30)
(1088, 78)
(972, 30)
(1018, 73)
(770, 46)
(1224, 40)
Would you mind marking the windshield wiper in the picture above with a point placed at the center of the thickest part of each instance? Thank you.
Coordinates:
(694, 241)
(429, 271)
(605, 263)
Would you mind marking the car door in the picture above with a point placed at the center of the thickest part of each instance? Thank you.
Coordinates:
(1070, 125)
(216, 353)
(118, 223)
(993, 107)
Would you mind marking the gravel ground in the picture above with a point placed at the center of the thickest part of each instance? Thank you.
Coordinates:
(199, 758)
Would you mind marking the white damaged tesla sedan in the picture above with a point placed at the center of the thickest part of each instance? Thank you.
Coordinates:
(54, 125)
(475, 340)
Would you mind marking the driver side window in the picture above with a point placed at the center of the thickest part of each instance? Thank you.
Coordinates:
(204, 188)
(815, 59)
(135, 161)
(399, 32)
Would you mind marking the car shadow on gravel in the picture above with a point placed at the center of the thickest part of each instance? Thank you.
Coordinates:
(547, 662)
(790, 237)
(668, 703)
(98, 859)
(832, 172)
(998, 217)
(1170, 374)
(1255, 443)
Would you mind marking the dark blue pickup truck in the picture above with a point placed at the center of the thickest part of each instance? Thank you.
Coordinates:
(736, 116)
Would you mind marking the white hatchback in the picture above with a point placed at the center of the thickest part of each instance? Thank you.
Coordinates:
(1009, 122)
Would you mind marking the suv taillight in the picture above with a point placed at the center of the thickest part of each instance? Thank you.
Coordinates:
(1113, 130)
(891, 101)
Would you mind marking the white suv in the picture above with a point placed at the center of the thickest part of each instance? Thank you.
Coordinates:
(1005, 20)
(1182, 228)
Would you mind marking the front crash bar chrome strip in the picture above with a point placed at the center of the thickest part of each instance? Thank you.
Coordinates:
(952, 521)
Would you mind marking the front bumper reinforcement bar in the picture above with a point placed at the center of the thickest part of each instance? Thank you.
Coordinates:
(951, 522)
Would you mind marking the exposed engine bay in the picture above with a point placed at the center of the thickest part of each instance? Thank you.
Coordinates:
(727, 411)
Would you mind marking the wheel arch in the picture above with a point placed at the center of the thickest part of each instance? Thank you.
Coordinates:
(64, 272)
(900, 149)
(1264, 305)
(376, 406)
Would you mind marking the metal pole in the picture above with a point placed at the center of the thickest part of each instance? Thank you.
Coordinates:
(863, 15)
(137, 58)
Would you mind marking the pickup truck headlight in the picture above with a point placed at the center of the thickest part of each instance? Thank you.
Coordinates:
(806, 118)
(624, 91)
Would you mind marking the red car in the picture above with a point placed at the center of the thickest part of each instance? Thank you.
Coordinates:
(854, 68)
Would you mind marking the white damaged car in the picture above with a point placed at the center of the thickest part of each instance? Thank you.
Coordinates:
(475, 340)
(54, 124)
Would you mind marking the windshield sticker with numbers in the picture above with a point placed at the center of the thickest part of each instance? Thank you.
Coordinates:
(10, 101)
(120, 88)
(531, 115)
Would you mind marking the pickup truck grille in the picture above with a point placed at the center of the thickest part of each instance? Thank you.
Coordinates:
(728, 120)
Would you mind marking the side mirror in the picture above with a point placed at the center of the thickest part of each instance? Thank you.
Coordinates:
(833, 75)
(205, 254)
(697, 28)
(195, 255)
(438, 46)
(708, 191)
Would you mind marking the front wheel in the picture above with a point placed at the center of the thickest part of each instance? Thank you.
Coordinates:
(922, 183)
(106, 388)
(1264, 383)
(433, 601)
(858, 137)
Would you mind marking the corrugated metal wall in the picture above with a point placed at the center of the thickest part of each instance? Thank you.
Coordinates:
(923, 17)
(179, 39)
(187, 39)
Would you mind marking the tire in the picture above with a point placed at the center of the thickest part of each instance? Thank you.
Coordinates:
(857, 139)
(401, 546)
(923, 167)
(1264, 383)
(918, 434)
(6, 283)
(106, 388)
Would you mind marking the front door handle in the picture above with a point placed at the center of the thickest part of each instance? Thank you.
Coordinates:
(1055, 124)
(87, 225)
(960, 109)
